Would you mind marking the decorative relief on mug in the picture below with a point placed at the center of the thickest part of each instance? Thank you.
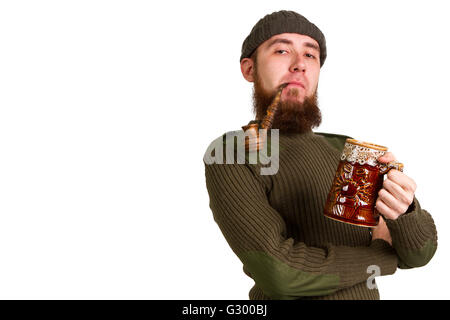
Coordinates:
(357, 181)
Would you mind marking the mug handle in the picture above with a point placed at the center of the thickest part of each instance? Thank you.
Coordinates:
(385, 168)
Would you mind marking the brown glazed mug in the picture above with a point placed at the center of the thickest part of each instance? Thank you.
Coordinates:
(356, 184)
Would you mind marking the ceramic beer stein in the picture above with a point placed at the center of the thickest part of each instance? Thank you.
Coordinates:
(356, 184)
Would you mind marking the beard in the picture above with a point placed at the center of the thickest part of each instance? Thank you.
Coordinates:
(292, 116)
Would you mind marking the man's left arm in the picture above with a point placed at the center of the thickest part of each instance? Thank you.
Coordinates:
(412, 229)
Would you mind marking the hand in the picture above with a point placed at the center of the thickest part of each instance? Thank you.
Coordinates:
(381, 231)
(397, 193)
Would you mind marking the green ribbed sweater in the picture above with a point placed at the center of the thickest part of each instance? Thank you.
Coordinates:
(275, 225)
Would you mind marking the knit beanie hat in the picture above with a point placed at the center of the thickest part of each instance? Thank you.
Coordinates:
(282, 22)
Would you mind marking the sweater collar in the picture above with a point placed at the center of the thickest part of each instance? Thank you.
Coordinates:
(292, 135)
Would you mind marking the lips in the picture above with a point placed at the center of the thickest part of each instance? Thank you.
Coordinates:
(296, 83)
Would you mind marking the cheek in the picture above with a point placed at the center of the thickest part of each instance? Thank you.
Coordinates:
(270, 77)
(273, 67)
(313, 81)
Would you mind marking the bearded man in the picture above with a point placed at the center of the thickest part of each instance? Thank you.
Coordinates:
(275, 223)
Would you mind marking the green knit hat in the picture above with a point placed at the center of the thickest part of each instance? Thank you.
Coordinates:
(282, 22)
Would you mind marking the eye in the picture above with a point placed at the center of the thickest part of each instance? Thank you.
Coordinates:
(281, 51)
(309, 55)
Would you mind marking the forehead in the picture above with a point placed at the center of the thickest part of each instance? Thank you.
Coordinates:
(296, 39)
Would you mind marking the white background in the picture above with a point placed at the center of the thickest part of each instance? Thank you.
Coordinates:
(106, 109)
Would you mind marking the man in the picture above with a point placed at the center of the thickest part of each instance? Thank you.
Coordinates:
(275, 223)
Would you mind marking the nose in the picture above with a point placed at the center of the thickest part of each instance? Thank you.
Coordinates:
(298, 63)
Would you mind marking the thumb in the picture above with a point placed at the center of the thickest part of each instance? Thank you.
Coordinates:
(387, 157)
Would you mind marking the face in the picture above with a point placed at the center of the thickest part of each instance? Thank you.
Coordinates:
(286, 58)
(292, 59)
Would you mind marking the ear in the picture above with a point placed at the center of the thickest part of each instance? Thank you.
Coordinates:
(247, 69)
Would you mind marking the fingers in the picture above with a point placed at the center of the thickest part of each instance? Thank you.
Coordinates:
(385, 210)
(402, 180)
(396, 195)
(398, 192)
(386, 199)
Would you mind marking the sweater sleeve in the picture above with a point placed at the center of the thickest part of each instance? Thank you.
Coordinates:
(281, 267)
(414, 236)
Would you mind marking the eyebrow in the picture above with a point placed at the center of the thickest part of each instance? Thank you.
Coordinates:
(286, 41)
